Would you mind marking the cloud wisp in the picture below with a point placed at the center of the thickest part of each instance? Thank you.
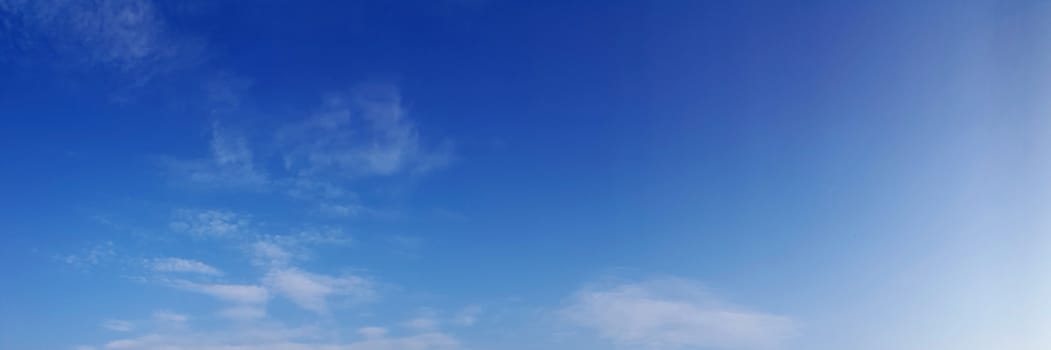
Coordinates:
(366, 134)
(118, 325)
(278, 251)
(170, 317)
(353, 137)
(269, 336)
(230, 164)
(90, 257)
(312, 291)
(242, 294)
(673, 314)
(179, 265)
(129, 37)
(279, 339)
(208, 223)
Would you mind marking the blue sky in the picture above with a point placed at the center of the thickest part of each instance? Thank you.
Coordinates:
(487, 174)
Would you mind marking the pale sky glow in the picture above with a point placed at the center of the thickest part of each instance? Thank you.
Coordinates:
(519, 175)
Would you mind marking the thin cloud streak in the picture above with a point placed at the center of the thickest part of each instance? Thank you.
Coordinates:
(206, 223)
(275, 337)
(312, 291)
(233, 293)
(128, 37)
(365, 134)
(231, 163)
(182, 265)
(673, 314)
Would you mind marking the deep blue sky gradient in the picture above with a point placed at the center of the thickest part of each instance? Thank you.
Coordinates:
(825, 161)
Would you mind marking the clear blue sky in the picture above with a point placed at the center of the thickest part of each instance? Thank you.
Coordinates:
(505, 175)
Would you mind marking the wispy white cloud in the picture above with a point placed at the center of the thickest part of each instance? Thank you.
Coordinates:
(424, 341)
(230, 164)
(372, 332)
(266, 336)
(247, 294)
(344, 209)
(365, 134)
(127, 36)
(170, 317)
(316, 235)
(234, 293)
(118, 325)
(312, 291)
(266, 253)
(243, 312)
(422, 323)
(312, 188)
(255, 341)
(166, 320)
(208, 223)
(362, 135)
(182, 265)
(280, 250)
(674, 314)
(93, 256)
(428, 319)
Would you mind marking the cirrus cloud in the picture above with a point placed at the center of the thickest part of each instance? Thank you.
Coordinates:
(208, 223)
(673, 314)
(128, 37)
(312, 291)
(365, 134)
(277, 337)
(182, 265)
(235, 293)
